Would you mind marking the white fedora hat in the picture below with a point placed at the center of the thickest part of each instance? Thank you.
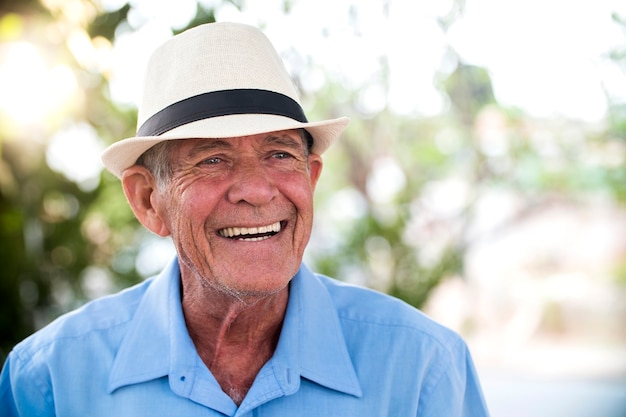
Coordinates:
(217, 80)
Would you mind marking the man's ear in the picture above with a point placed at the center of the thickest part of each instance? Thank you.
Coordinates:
(315, 168)
(142, 195)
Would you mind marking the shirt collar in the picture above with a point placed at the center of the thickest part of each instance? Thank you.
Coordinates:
(311, 341)
(145, 349)
(312, 324)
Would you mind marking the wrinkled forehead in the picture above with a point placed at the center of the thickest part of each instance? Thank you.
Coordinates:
(287, 138)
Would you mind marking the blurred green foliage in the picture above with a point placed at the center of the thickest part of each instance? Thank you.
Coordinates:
(55, 234)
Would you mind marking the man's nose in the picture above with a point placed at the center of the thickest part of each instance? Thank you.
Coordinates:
(253, 184)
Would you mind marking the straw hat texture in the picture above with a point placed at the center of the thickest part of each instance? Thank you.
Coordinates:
(217, 80)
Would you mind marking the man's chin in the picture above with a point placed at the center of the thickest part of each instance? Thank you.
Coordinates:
(250, 294)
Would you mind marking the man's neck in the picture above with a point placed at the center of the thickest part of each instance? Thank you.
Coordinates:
(234, 337)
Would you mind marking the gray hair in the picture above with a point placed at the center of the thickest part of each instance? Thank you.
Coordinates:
(157, 161)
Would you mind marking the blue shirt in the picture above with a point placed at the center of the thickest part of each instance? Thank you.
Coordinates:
(343, 351)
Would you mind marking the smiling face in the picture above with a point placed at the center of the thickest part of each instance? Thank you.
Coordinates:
(239, 210)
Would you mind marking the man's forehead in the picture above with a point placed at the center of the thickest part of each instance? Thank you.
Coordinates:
(284, 137)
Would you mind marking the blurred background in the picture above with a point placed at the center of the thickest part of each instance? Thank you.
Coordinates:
(482, 178)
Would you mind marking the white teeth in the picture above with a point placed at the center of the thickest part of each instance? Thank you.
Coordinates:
(242, 231)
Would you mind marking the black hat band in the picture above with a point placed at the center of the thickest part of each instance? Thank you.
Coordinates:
(221, 103)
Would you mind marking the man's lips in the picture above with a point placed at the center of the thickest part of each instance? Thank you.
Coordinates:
(251, 234)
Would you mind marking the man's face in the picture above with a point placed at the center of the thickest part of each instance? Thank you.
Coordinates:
(240, 210)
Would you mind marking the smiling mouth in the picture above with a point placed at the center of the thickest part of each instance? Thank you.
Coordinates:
(251, 234)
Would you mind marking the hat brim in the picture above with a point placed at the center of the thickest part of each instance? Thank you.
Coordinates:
(123, 154)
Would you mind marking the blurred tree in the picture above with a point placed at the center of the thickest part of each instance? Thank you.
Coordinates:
(617, 121)
(469, 89)
(61, 243)
(407, 245)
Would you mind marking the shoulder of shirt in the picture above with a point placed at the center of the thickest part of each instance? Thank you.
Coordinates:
(100, 314)
(366, 307)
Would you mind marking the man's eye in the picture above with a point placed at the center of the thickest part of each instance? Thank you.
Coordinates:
(282, 155)
(211, 161)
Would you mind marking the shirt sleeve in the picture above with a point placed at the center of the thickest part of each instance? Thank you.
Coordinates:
(21, 391)
(457, 391)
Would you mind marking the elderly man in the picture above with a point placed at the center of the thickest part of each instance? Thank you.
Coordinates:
(226, 163)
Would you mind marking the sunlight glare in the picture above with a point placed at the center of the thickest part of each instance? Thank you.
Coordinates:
(548, 63)
(75, 152)
(173, 14)
(129, 58)
(385, 180)
(31, 90)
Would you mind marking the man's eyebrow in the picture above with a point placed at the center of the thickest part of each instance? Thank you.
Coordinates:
(286, 140)
(208, 145)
